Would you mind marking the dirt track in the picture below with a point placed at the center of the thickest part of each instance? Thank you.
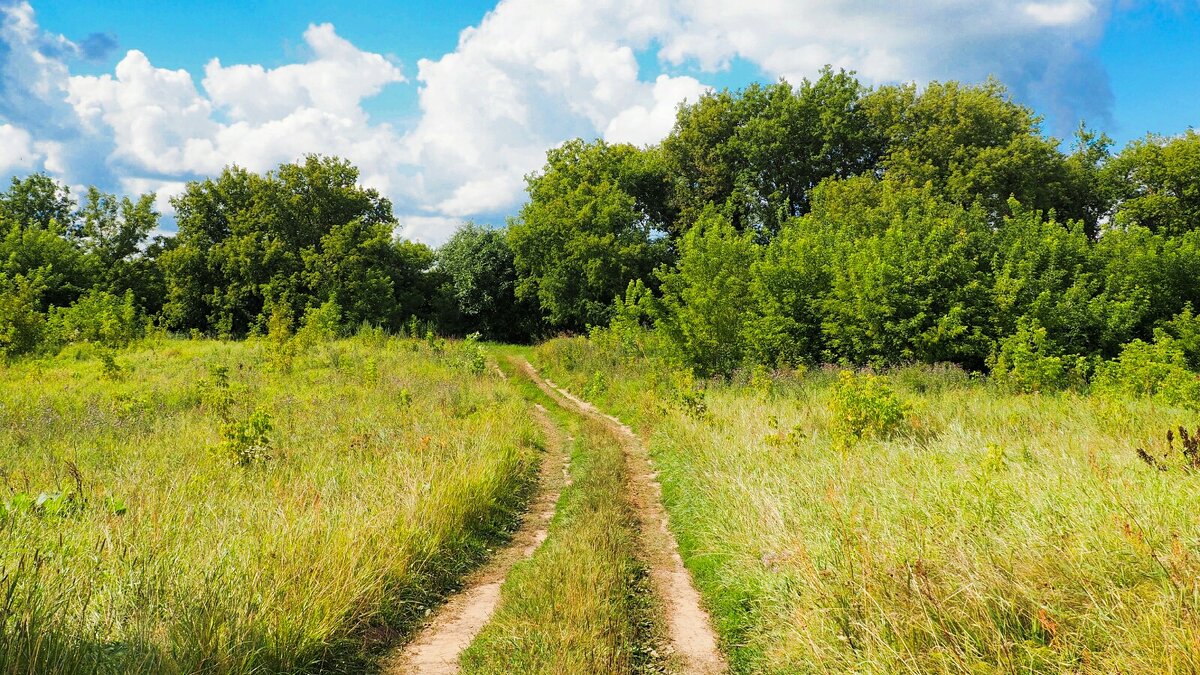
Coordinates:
(435, 650)
(688, 625)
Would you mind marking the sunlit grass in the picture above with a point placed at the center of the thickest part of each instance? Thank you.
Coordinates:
(392, 466)
(999, 533)
(581, 604)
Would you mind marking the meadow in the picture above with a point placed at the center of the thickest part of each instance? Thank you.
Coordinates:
(921, 520)
(203, 506)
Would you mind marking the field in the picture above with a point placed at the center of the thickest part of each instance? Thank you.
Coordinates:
(993, 533)
(179, 531)
(237, 507)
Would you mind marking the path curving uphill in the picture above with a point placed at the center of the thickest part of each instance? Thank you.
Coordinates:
(689, 627)
(435, 650)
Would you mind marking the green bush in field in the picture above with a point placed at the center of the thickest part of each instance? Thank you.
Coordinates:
(1157, 370)
(864, 406)
(1024, 362)
(320, 324)
(471, 355)
(99, 317)
(248, 442)
(21, 325)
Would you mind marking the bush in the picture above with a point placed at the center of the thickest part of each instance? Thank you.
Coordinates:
(1157, 370)
(21, 325)
(1023, 362)
(248, 442)
(321, 324)
(864, 406)
(471, 355)
(98, 317)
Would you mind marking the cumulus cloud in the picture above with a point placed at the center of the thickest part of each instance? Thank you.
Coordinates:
(530, 75)
(17, 153)
(1037, 47)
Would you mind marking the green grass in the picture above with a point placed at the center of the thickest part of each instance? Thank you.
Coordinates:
(993, 533)
(581, 604)
(392, 466)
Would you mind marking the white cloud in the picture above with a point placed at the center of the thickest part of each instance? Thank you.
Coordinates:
(433, 230)
(647, 124)
(1069, 13)
(337, 78)
(531, 75)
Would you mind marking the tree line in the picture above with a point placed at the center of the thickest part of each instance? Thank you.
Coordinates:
(774, 226)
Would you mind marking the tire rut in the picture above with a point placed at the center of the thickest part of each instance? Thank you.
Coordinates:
(689, 628)
(436, 648)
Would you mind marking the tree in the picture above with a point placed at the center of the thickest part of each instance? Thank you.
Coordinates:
(289, 240)
(584, 235)
(703, 306)
(64, 271)
(1156, 183)
(38, 201)
(974, 145)
(482, 280)
(759, 152)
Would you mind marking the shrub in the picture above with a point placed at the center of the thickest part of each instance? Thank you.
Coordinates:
(1157, 370)
(248, 442)
(864, 406)
(98, 317)
(471, 355)
(21, 325)
(1023, 362)
(321, 324)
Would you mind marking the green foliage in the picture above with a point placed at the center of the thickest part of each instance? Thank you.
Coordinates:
(758, 153)
(1185, 328)
(321, 324)
(973, 145)
(481, 275)
(65, 271)
(109, 367)
(21, 325)
(216, 393)
(296, 236)
(98, 317)
(863, 406)
(703, 297)
(1025, 363)
(247, 442)
(38, 202)
(585, 234)
(1158, 370)
(471, 355)
(1155, 183)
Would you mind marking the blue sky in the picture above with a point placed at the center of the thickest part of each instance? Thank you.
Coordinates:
(447, 123)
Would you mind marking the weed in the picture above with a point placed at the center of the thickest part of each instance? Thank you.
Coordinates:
(109, 368)
(472, 356)
(1186, 457)
(216, 393)
(864, 406)
(247, 442)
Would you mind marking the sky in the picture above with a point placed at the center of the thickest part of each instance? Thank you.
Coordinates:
(445, 107)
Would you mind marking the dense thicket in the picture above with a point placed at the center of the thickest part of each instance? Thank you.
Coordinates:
(775, 225)
(834, 223)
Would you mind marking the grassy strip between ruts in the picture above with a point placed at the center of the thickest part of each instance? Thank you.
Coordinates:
(582, 603)
(994, 533)
(227, 508)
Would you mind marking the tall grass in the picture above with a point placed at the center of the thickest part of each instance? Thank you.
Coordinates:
(390, 470)
(581, 604)
(996, 533)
